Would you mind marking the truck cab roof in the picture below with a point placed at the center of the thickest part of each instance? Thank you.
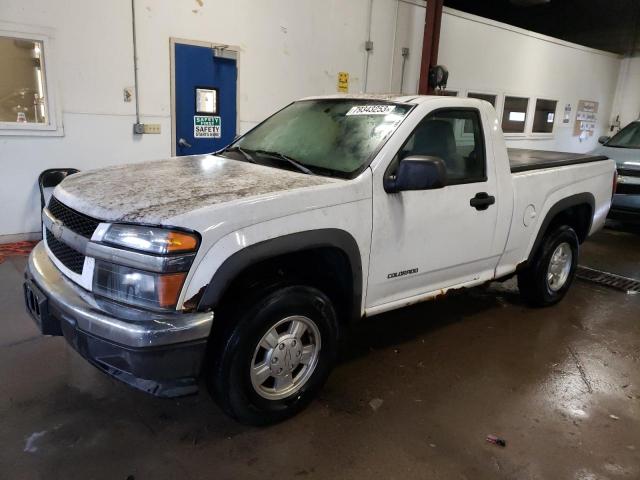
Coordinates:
(386, 97)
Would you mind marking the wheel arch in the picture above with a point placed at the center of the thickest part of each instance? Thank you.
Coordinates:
(295, 245)
(576, 211)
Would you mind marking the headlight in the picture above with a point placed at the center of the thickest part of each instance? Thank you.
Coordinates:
(150, 239)
(169, 254)
(137, 287)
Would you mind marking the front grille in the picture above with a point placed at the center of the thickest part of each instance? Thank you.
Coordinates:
(628, 189)
(79, 223)
(68, 256)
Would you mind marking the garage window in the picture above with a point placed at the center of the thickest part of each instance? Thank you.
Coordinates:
(514, 114)
(487, 97)
(544, 116)
(25, 106)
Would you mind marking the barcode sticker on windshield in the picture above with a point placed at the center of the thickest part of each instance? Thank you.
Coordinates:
(371, 110)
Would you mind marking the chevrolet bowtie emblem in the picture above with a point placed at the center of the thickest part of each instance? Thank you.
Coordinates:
(56, 229)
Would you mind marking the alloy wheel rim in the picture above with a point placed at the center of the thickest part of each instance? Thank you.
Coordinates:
(559, 267)
(285, 357)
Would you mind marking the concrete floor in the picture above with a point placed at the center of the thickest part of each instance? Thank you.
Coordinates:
(561, 385)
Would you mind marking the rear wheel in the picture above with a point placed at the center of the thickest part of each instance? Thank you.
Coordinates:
(551, 272)
(274, 356)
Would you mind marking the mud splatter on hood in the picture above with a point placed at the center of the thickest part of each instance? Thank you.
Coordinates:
(153, 192)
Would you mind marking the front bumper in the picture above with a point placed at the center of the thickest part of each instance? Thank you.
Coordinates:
(160, 353)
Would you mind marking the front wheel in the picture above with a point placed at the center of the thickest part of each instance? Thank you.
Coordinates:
(548, 278)
(275, 355)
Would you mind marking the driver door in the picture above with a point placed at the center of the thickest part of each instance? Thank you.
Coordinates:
(427, 240)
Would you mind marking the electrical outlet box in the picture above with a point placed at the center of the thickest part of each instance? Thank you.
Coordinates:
(140, 128)
(151, 128)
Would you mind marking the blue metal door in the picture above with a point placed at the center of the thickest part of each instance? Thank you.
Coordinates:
(205, 96)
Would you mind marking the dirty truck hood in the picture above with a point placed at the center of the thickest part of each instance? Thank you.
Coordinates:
(154, 192)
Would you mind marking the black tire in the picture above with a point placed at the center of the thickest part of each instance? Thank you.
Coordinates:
(232, 354)
(533, 283)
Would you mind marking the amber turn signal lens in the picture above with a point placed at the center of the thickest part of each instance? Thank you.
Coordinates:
(169, 286)
(180, 242)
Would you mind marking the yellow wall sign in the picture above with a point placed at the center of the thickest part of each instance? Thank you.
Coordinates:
(343, 82)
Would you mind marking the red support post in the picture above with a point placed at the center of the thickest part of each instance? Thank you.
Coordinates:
(430, 44)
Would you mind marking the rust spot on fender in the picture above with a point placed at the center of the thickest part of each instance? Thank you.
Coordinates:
(441, 294)
(191, 304)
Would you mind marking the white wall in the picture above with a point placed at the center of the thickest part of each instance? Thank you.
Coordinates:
(627, 99)
(410, 20)
(289, 49)
(490, 57)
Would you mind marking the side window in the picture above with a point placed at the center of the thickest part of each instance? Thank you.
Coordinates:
(27, 106)
(456, 137)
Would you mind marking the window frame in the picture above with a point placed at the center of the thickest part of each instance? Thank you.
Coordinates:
(487, 93)
(393, 165)
(527, 119)
(541, 135)
(528, 133)
(45, 37)
(216, 110)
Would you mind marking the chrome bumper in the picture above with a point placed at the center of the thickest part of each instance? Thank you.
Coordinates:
(126, 326)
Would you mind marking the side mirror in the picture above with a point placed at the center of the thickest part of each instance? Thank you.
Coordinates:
(604, 139)
(417, 172)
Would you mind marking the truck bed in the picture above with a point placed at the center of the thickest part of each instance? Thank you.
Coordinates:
(522, 159)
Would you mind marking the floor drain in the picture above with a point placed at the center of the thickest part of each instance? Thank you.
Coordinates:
(607, 279)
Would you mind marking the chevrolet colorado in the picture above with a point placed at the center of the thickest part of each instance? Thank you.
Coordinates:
(243, 267)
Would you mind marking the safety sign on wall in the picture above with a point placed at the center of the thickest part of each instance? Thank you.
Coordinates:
(343, 82)
(206, 126)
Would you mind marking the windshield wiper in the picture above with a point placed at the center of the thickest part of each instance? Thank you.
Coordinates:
(286, 158)
(242, 152)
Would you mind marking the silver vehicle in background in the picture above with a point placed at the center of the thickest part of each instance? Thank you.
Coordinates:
(624, 148)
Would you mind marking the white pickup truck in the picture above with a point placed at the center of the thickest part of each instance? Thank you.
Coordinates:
(243, 267)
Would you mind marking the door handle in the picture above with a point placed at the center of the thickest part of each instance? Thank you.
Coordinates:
(482, 201)
(183, 143)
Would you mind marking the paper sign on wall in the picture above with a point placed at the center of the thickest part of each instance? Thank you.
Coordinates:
(343, 82)
(586, 118)
(205, 126)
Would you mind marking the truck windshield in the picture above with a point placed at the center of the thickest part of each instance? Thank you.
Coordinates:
(332, 137)
(628, 137)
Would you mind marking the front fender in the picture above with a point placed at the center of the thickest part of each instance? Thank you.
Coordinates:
(346, 227)
(293, 242)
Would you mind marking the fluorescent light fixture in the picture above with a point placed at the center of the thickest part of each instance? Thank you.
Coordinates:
(516, 116)
(550, 117)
